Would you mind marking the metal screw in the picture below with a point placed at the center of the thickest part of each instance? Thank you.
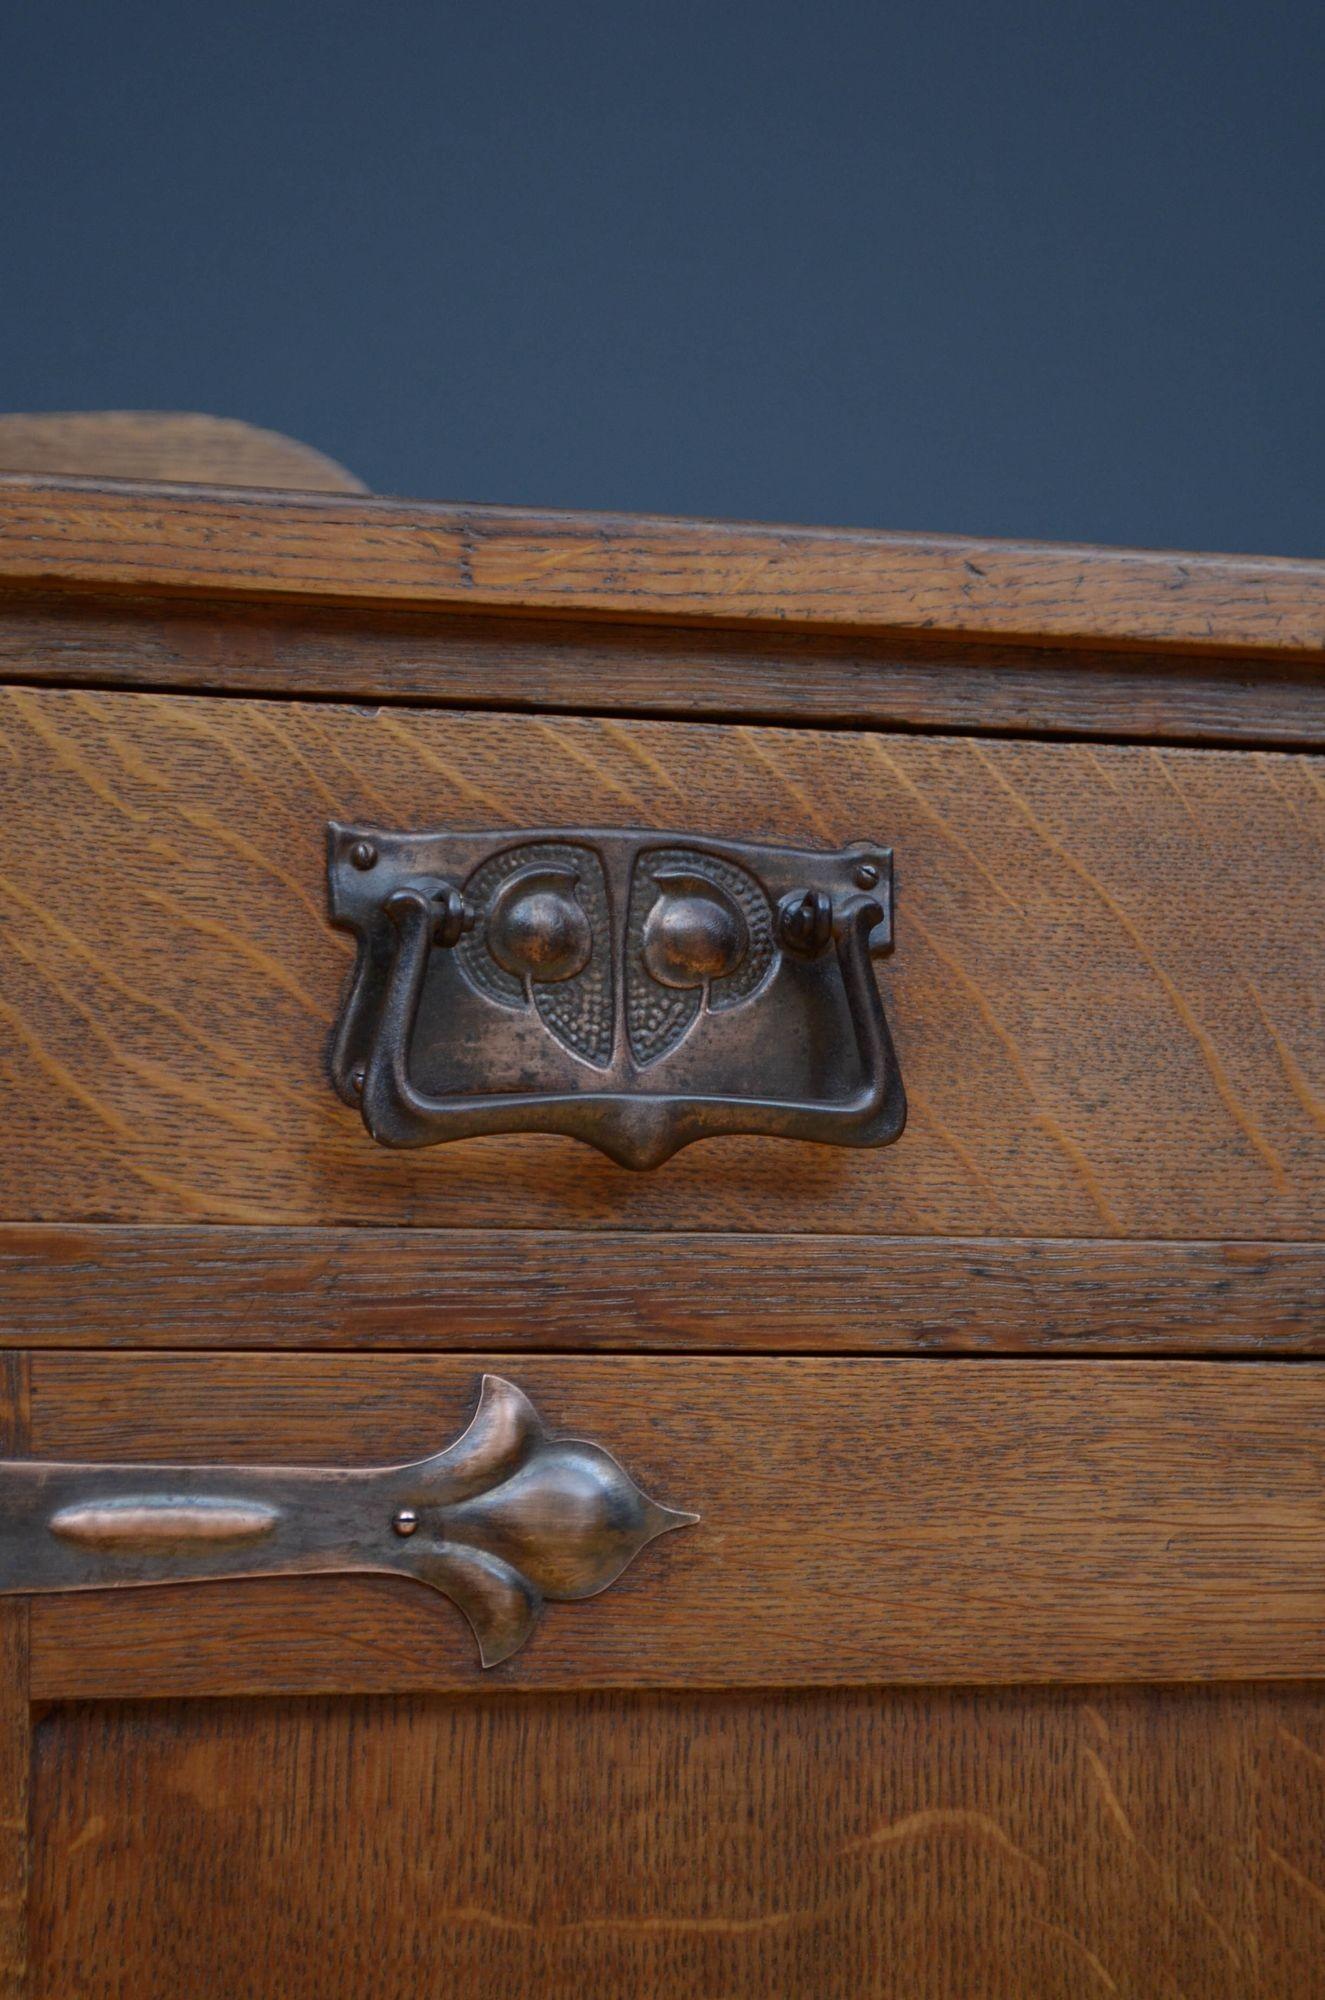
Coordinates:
(364, 855)
(866, 875)
(405, 1521)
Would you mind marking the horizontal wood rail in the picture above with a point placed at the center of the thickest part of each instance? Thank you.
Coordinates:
(461, 1289)
(862, 1521)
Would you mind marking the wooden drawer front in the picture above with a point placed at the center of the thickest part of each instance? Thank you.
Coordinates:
(1105, 990)
(862, 1521)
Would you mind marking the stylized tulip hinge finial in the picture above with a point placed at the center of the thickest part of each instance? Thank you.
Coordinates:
(511, 1516)
(505, 1519)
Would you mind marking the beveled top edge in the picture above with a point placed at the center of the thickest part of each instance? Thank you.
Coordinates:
(349, 548)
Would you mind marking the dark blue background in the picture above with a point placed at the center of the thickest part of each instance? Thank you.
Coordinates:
(1051, 267)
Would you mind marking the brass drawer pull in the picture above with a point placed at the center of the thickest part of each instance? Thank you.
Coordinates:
(505, 1519)
(634, 990)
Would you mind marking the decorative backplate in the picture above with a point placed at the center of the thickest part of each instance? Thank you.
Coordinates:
(503, 1520)
(635, 990)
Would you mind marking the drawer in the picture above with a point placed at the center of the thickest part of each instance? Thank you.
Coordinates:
(1105, 990)
(861, 1522)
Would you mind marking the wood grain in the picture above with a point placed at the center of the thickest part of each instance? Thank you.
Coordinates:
(1106, 991)
(15, 1720)
(863, 1521)
(160, 445)
(1055, 1845)
(337, 549)
(1107, 995)
(458, 1289)
(82, 638)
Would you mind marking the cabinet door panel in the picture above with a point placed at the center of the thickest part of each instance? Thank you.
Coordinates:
(901, 1845)
(595, 1818)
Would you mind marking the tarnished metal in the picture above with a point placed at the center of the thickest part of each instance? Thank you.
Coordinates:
(505, 1519)
(634, 990)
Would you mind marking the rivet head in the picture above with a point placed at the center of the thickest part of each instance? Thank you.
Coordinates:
(404, 1521)
(867, 875)
(363, 855)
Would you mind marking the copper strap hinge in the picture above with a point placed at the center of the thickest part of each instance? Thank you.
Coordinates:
(505, 1519)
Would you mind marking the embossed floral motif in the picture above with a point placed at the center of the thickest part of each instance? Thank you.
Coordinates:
(531, 895)
(699, 935)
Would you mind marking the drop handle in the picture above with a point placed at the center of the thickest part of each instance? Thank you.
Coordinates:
(632, 990)
(507, 1518)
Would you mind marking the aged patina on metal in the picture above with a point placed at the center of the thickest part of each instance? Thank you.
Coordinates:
(505, 1519)
(635, 990)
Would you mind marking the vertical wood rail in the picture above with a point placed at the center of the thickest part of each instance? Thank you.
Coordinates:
(15, 1721)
